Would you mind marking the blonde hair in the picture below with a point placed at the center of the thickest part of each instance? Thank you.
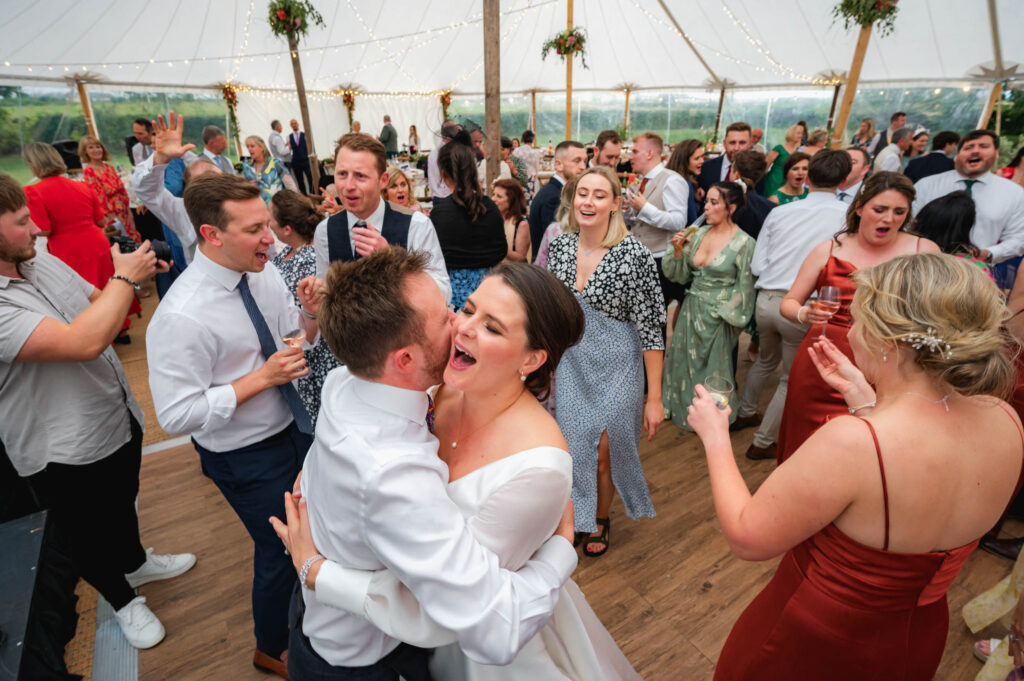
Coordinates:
(83, 148)
(260, 143)
(616, 224)
(794, 133)
(818, 137)
(947, 313)
(43, 160)
(870, 132)
(393, 174)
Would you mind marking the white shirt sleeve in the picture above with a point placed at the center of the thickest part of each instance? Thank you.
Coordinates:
(418, 533)
(763, 246)
(168, 208)
(1011, 239)
(183, 395)
(519, 516)
(674, 196)
(320, 247)
(891, 163)
(423, 237)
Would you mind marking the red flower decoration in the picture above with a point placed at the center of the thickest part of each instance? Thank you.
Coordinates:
(281, 15)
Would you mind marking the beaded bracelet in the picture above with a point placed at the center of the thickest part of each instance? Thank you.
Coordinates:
(304, 571)
(135, 284)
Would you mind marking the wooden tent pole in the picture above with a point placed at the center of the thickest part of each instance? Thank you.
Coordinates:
(625, 118)
(832, 111)
(997, 89)
(300, 87)
(492, 89)
(568, 82)
(533, 112)
(839, 134)
(718, 116)
(83, 95)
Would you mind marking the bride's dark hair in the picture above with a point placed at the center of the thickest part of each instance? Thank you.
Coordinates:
(554, 319)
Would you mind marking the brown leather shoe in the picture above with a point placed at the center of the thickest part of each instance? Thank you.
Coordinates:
(1005, 548)
(265, 662)
(743, 422)
(759, 453)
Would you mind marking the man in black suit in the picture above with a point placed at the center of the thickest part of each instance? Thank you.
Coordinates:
(938, 161)
(570, 161)
(748, 167)
(300, 158)
(737, 138)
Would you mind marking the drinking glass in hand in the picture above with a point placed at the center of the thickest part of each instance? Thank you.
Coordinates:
(294, 338)
(719, 390)
(827, 303)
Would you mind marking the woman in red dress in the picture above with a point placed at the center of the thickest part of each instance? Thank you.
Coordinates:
(877, 513)
(104, 180)
(68, 213)
(873, 235)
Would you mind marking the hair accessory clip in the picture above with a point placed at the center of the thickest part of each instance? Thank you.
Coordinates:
(929, 340)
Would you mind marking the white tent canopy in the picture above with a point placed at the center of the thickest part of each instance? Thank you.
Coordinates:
(398, 48)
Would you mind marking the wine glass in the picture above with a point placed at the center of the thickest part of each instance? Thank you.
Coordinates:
(826, 302)
(719, 390)
(294, 338)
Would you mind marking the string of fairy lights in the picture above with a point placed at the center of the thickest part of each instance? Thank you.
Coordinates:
(419, 38)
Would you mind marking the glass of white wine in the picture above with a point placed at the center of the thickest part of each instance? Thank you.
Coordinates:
(827, 302)
(719, 389)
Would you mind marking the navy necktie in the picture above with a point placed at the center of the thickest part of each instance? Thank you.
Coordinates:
(355, 253)
(269, 347)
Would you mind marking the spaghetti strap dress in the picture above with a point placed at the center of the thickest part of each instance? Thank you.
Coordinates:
(810, 402)
(840, 610)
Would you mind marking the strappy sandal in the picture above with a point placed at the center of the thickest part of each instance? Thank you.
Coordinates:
(578, 538)
(979, 652)
(605, 525)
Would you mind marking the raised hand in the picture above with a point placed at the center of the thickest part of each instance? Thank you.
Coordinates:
(167, 139)
(840, 373)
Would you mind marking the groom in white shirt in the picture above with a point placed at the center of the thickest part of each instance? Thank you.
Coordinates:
(377, 492)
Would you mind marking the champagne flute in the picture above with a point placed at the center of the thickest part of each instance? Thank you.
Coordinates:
(827, 302)
(719, 390)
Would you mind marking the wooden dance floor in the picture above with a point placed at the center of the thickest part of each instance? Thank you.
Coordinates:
(668, 590)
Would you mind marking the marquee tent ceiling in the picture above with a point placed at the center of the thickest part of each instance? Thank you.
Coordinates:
(407, 46)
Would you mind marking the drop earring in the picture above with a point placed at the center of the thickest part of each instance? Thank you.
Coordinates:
(885, 357)
(522, 377)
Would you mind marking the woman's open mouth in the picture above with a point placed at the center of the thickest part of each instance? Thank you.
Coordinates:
(461, 359)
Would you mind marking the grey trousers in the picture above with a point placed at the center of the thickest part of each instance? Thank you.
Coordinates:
(780, 340)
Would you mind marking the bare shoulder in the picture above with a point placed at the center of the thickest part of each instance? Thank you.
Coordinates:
(533, 426)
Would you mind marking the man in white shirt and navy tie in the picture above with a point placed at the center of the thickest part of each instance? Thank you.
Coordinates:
(225, 346)
(999, 228)
(860, 166)
(377, 493)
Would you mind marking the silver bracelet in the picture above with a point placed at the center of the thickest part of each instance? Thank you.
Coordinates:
(135, 284)
(304, 571)
(307, 315)
(854, 410)
(798, 311)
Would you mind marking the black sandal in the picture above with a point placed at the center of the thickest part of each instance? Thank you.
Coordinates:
(578, 538)
(605, 526)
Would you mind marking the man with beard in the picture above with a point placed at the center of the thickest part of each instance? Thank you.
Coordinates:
(377, 492)
(737, 138)
(570, 161)
(225, 345)
(999, 228)
(81, 459)
(607, 150)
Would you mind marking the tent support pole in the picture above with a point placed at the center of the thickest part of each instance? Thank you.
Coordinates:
(997, 89)
(625, 117)
(83, 95)
(718, 116)
(492, 89)
(832, 111)
(533, 111)
(300, 87)
(839, 134)
(568, 82)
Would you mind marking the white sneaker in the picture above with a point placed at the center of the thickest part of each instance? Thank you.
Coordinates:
(160, 566)
(139, 625)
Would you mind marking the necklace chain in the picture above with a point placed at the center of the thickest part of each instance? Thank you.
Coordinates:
(944, 399)
(455, 442)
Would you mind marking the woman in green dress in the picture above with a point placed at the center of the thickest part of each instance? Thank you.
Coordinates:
(777, 159)
(795, 172)
(716, 263)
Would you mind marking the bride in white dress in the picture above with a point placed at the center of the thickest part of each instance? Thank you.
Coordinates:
(510, 474)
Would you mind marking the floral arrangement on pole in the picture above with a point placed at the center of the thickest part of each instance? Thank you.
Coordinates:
(568, 43)
(882, 13)
(446, 101)
(230, 95)
(348, 98)
(291, 18)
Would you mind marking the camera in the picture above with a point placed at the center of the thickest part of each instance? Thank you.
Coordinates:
(161, 249)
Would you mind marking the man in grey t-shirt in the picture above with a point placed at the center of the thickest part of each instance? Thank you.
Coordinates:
(71, 425)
